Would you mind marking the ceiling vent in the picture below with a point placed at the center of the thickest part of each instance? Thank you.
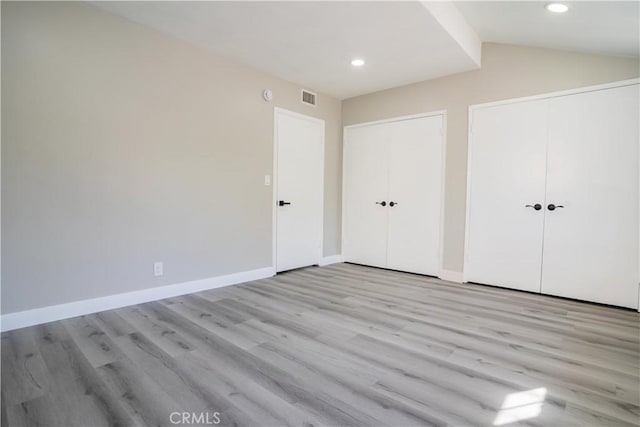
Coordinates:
(308, 98)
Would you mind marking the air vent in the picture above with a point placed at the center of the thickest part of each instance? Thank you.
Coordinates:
(308, 98)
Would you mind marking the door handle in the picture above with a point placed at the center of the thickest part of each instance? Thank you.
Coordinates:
(383, 203)
(282, 203)
(553, 207)
(537, 206)
(392, 204)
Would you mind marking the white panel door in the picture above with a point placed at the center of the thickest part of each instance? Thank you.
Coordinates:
(507, 167)
(299, 210)
(591, 243)
(365, 195)
(415, 195)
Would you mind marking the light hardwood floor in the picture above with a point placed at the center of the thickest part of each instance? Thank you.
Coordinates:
(338, 345)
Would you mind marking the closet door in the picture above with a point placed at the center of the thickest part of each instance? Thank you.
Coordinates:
(365, 189)
(415, 191)
(591, 242)
(507, 167)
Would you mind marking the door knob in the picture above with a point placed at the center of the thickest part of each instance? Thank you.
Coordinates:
(392, 204)
(282, 203)
(537, 206)
(383, 203)
(553, 207)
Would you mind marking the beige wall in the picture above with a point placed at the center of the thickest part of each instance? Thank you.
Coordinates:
(122, 146)
(507, 72)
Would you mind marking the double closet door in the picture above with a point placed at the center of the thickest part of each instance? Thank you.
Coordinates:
(392, 198)
(553, 196)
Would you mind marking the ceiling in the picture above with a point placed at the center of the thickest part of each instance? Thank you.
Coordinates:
(606, 27)
(312, 42)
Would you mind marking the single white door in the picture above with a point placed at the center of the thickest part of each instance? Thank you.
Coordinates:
(591, 237)
(415, 195)
(365, 195)
(299, 187)
(506, 195)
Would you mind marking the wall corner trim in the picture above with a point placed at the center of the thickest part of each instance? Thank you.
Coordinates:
(333, 259)
(451, 276)
(52, 313)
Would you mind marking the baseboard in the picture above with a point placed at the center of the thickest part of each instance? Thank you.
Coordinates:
(452, 276)
(333, 259)
(52, 313)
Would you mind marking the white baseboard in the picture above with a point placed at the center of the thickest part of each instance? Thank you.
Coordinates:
(52, 313)
(452, 276)
(333, 259)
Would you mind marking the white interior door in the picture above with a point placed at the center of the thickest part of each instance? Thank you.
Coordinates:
(299, 187)
(507, 170)
(365, 191)
(591, 243)
(415, 195)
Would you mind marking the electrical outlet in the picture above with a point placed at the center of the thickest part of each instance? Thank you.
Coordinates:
(267, 180)
(158, 269)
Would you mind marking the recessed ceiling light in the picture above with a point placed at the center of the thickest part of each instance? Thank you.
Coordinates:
(557, 7)
(357, 62)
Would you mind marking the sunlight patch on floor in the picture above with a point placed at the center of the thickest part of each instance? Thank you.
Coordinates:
(521, 406)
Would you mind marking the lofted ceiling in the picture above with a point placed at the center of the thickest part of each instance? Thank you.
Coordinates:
(312, 42)
(605, 27)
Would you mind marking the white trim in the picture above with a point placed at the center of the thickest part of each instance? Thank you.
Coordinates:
(451, 276)
(395, 119)
(465, 256)
(322, 160)
(343, 195)
(443, 178)
(274, 182)
(442, 113)
(557, 94)
(274, 190)
(52, 313)
(328, 260)
(280, 110)
(471, 109)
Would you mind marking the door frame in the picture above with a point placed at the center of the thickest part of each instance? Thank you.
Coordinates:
(443, 161)
(474, 107)
(277, 111)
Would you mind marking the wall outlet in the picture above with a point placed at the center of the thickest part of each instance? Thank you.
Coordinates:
(158, 269)
(267, 180)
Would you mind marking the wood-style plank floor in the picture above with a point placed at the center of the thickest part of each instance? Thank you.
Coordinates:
(342, 345)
